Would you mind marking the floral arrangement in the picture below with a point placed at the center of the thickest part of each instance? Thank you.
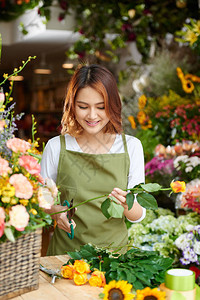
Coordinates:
(189, 245)
(160, 233)
(181, 113)
(190, 199)
(188, 168)
(23, 192)
(190, 34)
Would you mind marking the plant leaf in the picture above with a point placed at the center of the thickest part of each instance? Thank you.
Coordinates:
(9, 234)
(151, 187)
(129, 200)
(104, 208)
(115, 210)
(147, 201)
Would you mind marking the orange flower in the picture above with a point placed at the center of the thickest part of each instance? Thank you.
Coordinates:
(80, 279)
(141, 116)
(81, 267)
(67, 271)
(97, 279)
(178, 186)
(132, 121)
(142, 101)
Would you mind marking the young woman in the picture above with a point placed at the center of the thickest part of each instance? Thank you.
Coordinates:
(91, 158)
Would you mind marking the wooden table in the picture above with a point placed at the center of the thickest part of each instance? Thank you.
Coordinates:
(62, 289)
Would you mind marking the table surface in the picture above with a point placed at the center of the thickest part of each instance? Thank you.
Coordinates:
(62, 289)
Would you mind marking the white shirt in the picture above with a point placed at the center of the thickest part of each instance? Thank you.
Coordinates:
(50, 158)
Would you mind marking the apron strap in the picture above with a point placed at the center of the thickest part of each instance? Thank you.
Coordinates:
(62, 143)
(124, 142)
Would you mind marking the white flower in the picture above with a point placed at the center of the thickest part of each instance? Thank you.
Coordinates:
(181, 242)
(196, 247)
(181, 158)
(188, 169)
(189, 227)
(51, 186)
(45, 198)
(137, 86)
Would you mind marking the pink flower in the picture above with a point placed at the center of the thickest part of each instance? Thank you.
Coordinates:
(16, 145)
(30, 164)
(45, 198)
(2, 223)
(23, 188)
(4, 167)
(19, 217)
(2, 124)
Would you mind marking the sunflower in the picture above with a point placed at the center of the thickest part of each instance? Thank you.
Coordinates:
(118, 290)
(187, 86)
(148, 294)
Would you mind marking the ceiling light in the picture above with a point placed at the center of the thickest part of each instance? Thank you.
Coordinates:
(16, 78)
(67, 65)
(42, 71)
(43, 68)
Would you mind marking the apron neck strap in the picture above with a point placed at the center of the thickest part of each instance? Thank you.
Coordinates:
(62, 143)
(124, 142)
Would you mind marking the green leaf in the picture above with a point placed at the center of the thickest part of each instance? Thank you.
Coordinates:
(9, 234)
(151, 187)
(104, 208)
(147, 200)
(129, 200)
(115, 210)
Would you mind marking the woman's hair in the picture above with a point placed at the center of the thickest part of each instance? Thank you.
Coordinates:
(103, 81)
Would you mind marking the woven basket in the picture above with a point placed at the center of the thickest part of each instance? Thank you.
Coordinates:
(19, 265)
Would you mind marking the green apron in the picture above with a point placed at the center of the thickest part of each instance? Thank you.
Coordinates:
(83, 176)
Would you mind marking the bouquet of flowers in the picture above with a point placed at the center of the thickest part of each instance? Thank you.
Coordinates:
(23, 192)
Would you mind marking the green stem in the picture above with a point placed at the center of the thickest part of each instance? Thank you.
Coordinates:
(58, 212)
(16, 72)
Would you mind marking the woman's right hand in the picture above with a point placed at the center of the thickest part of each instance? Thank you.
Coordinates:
(61, 218)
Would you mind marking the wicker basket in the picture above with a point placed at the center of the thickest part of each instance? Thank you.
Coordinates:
(19, 265)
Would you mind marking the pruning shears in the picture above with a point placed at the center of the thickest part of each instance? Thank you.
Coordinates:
(52, 273)
(70, 215)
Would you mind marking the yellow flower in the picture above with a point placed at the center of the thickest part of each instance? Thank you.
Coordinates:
(142, 101)
(33, 211)
(8, 190)
(118, 290)
(67, 271)
(24, 202)
(13, 201)
(5, 75)
(192, 77)
(5, 199)
(191, 37)
(196, 27)
(81, 266)
(141, 116)
(80, 279)
(148, 293)
(178, 186)
(179, 73)
(187, 86)
(97, 279)
(132, 121)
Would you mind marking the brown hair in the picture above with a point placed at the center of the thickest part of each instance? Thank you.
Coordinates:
(103, 81)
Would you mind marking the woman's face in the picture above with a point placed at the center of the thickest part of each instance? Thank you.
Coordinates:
(90, 111)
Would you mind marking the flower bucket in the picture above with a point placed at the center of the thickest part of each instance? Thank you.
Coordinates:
(19, 265)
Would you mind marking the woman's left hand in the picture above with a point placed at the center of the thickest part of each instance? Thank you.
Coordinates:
(120, 195)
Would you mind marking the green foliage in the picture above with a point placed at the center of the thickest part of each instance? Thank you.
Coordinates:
(140, 268)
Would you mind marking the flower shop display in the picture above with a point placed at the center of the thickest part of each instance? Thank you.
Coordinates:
(160, 233)
(190, 199)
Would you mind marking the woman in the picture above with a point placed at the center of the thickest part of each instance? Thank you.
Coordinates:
(91, 158)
